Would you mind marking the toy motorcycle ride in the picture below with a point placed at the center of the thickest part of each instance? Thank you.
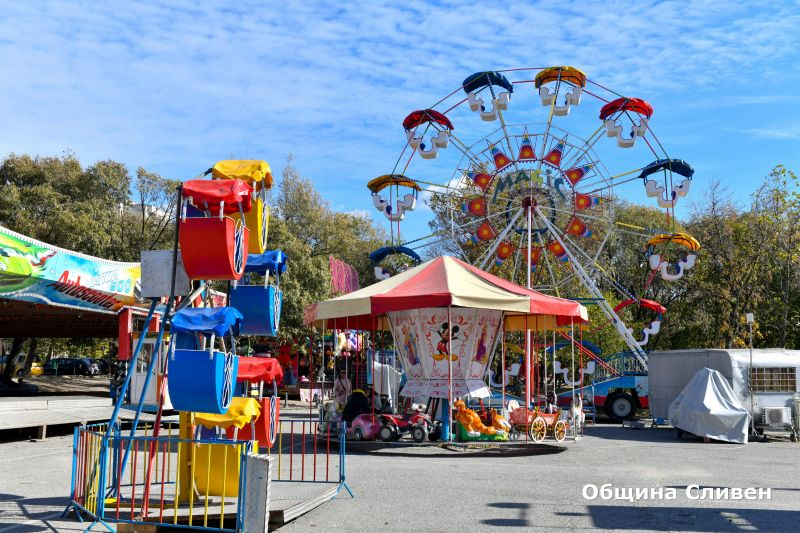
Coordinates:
(418, 424)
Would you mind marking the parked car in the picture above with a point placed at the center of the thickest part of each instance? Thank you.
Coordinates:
(19, 365)
(103, 366)
(71, 366)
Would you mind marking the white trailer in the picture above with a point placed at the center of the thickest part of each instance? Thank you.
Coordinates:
(774, 379)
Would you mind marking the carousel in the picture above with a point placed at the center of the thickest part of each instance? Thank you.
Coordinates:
(448, 320)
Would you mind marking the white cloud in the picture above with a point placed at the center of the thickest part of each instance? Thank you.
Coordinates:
(770, 133)
(176, 85)
(361, 213)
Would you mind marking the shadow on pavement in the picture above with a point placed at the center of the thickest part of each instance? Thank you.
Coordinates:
(436, 451)
(652, 518)
(520, 521)
(15, 509)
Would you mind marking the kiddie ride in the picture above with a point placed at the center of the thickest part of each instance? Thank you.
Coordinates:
(416, 423)
(221, 233)
(536, 423)
(387, 426)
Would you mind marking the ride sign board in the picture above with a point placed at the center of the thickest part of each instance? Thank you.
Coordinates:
(33, 271)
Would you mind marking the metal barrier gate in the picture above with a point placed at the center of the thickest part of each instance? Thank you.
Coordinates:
(190, 483)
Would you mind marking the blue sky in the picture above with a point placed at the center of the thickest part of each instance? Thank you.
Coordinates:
(175, 86)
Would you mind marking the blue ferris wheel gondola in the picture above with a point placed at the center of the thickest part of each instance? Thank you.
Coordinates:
(202, 380)
(261, 304)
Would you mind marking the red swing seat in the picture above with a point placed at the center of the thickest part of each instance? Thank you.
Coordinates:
(215, 247)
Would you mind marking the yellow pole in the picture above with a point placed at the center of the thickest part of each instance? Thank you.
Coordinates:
(183, 467)
(224, 487)
(208, 485)
(178, 479)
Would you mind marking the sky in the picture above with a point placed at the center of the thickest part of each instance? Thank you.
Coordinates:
(174, 86)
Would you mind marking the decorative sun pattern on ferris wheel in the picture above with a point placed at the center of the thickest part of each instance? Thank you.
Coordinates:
(533, 200)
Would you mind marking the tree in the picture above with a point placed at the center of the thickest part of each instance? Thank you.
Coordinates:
(88, 210)
(775, 221)
(309, 231)
(56, 200)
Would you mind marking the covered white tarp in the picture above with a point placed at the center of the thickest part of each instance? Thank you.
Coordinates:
(708, 407)
(386, 380)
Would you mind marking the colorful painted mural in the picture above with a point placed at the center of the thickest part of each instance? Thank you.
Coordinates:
(432, 350)
(36, 272)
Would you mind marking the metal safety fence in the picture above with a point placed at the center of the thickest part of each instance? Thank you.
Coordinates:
(191, 483)
(309, 451)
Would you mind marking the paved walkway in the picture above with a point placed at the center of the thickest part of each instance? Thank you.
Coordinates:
(414, 490)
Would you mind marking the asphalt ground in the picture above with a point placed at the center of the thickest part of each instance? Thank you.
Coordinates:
(424, 489)
(420, 490)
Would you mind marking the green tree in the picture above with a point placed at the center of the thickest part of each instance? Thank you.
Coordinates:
(88, 210)
(309, 231)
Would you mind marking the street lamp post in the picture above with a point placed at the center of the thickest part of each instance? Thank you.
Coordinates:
(750, 320)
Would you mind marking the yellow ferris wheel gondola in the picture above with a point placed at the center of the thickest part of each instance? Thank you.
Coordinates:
(658, 263)
(684, 239)
(571, 75)
(258, 174)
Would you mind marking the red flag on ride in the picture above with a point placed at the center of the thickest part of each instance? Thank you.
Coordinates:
(555, 154)
(504, 251)
(578, 227)
(576, 174)
(585, 201)
(475, 206)
(557, 250)
(483, 233)
(526, 152)
(501, 160)
(481, 179)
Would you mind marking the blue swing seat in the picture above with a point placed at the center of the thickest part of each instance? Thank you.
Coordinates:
(201, 380)
(260, 305)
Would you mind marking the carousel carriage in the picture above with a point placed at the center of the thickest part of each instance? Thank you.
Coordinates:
(536, 423)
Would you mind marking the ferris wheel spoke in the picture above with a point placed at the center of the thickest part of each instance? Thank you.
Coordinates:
(587, 146)
(546, 261)
(636, 233)
(507, 138)
(550, 115)
(466, 150)
(599, 269)
(441, 239)
(581, 215)
(589, 284)
(601, 246)
(475, 221)
(609, 183)
(518, 259)
(493, 248)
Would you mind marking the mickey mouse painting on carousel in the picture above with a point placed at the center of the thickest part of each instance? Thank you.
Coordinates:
(443, 347)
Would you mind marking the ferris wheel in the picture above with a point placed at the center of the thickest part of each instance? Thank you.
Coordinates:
(524, 170)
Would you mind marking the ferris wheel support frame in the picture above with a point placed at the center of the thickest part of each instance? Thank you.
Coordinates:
(590, 286)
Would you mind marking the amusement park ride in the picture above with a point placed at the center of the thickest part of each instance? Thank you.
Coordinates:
(221, 235)
(534, 201)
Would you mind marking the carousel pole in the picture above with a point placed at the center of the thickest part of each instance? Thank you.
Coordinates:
(537, 377)
(553, 362)
(449, 400)
(527, 330)
(374, 344)
(544, 363)
(572, 344)
(503, 361)
(527, 365)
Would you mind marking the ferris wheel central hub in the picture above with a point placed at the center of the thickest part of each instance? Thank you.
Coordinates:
(529, 202)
